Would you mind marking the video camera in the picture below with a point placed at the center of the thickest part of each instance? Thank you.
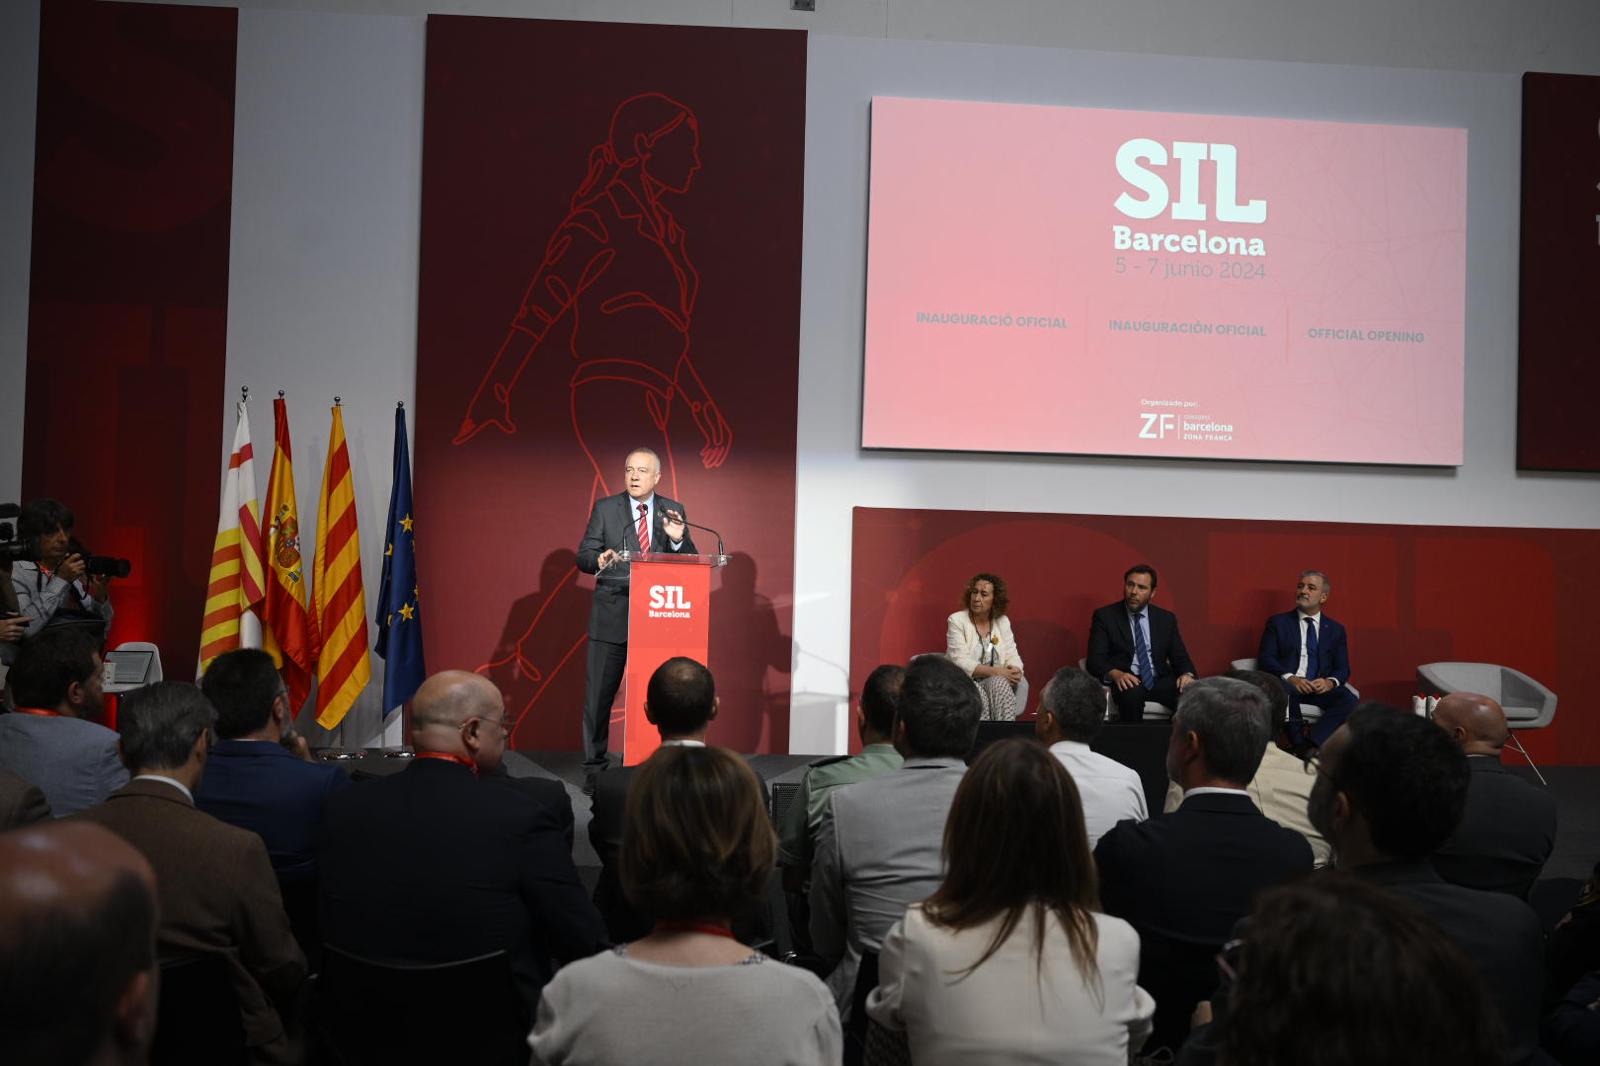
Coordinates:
(12, 550)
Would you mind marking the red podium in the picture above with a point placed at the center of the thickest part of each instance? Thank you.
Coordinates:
(669, 613)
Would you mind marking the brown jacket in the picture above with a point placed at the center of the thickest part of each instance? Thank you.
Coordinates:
(20, 803)
(217, 894)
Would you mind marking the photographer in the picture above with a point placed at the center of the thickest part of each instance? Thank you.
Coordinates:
(57, 589)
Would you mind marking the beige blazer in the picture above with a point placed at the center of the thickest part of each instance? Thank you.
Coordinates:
(962, 645)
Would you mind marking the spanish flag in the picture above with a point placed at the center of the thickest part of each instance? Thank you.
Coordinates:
(235, 592)
(288, 622)
(343, 668)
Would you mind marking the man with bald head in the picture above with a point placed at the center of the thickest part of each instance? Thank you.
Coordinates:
(1508, 828)
(434, 865)
(77, 947)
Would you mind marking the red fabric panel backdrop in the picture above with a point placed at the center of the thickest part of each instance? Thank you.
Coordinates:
(610, 258)
(1407, 594)
(128, 298)
(1558, 373)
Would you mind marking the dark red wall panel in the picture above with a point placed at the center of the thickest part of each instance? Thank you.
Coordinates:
(641, 187)
(1558, 361)
(1408, 594)
(128, 297)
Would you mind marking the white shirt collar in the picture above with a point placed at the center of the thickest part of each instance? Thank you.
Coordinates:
(179, 785)
(1076, 747)
(1205, 790)
(685, 743)
(1317, 618)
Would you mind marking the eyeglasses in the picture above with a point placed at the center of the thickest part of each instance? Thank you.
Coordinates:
(501, 722)
(1228, 960)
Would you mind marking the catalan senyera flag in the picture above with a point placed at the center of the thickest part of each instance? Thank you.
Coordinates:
(343, 667)
(289, 623)
(236, 590)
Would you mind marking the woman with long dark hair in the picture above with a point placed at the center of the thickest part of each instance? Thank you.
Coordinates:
(1010, 961)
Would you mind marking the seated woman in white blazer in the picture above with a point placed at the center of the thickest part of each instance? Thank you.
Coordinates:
(1010, 960)
(978, 639)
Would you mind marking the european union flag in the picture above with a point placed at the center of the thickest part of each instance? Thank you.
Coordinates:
(399, 642)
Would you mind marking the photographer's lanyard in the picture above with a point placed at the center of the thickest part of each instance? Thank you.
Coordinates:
(39, 712)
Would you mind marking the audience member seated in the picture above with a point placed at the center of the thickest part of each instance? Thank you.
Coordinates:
(77, 948)
(1281, 787)
(1071, 712)
(58, 590)
(1183, 879)
(49, 741)
(1573, 947)
(1572, 1031)
(1135, 648)
(797, 835)
(1333, 972)
(879, 845)
(1390, 789)
(978, 639)
(260, 776)
(1508, 828)
(697, 850)
(680, 701)
(1009, 957)
(216, 892)
(432, 865)
(20, 803)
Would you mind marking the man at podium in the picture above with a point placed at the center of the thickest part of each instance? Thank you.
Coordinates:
(639, 520)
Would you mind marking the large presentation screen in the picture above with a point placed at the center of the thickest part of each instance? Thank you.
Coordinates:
(1076, 280)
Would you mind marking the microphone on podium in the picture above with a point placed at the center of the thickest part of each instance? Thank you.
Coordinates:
(708, 529)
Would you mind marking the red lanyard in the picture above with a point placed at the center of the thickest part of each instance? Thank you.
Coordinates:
(694, 927)
(39, 712)
(450, 757)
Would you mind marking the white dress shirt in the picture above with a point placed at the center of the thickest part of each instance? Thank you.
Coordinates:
(1111, 792)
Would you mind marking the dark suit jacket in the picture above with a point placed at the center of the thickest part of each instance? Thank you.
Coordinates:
(1111, 642)
(267, 789)
(20, 803)
(1182, 880)
(217, 894)
(605, 833)
(1506, 834)
(433, 865)
(1499, 934)
(545, 791)
(1280, 647)
(611, 525)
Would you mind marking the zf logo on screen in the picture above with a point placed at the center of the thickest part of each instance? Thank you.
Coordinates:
(1155, 425)
(668, 598)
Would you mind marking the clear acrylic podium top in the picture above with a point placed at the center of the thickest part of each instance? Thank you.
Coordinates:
(628, 556)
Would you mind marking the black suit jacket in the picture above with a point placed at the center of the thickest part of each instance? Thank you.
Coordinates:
(611, 525)
(605, 833)
(1499, 934)
(1506, 834)
(1182, 880)
(433, 865)
(1111, 642)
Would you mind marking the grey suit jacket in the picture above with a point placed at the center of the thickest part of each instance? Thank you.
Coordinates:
(878, 852)
(73, 762)
(20, 803)
(611, 526)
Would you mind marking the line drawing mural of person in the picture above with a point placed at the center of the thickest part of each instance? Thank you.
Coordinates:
(617, 284)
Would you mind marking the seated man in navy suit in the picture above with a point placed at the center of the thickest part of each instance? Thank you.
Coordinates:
(1307, 650)
(1184, 879)
(260, 776)
(1135, 648)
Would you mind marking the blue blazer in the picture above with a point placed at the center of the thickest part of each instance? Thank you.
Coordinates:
(1280, 647)
(267, 789)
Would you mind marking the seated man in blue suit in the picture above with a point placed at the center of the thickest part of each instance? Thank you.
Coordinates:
(259, 776)
(1307, 650)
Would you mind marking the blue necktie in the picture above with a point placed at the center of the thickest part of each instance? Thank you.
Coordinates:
(1311, 649)
(1147, 672)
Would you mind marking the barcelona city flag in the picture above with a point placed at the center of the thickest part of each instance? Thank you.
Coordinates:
(399, 625)
(343, 668)
(235, 591)
(292, 637)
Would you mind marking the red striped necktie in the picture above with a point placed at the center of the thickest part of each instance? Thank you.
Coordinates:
(644, 528)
